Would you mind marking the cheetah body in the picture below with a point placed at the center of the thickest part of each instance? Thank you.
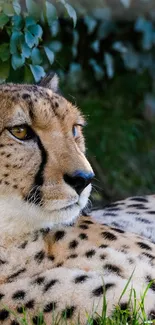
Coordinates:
(51, 261)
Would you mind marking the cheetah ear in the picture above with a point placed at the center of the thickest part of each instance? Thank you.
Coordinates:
(50, 81)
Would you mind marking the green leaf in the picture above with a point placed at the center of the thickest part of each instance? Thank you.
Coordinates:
(17, 22)
(38, 72)
(17, 61)
(4, 71)
(33, 8)
(26, 51)
(8, 8)
(16, 7)
(36, 57)
(55, 46)
(50, 54)
(51, 13)
(16, 37)
(36, 30)
(30, 39)
(3, 20)
(72, 13)
(4, 51)
(29, 21)
(28, 77)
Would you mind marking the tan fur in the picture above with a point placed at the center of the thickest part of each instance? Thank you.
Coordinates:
(64, 267)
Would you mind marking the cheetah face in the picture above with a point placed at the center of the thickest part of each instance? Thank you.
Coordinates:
(44, 176)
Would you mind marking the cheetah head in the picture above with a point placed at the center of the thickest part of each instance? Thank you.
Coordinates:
(44, 176)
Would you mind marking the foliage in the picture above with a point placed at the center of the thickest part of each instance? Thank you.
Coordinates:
(33, 38)
(24, 45)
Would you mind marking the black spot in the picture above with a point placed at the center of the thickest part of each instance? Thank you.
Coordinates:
(118, 230)
(84, 227)
(50, 284)
(45, 231)
(130, 260)
(73, 256)
(39, 280)
(2, 262)
(68, 312)
(26, 96)
(19, 294)
(151, 315)
(1, 296)
(30, 304)
(3, 314)
(133, 212)
(123, 306)
(6, 175)
(151, 212)
(143, 220)
(38, 320)
(14, 322)
(81, 278)
(139, 199)
(50, 307)
(59, 264)
(152, 281)
(39, 256)
(109, 285)
(90, 253)
(148, 255)
(59, 235)
(108, 235)
(113, 209)
(112, 268)
(108, 214)
(73, 244)
(103, 246)
(137, 206)
(35, 195)
(98, 291)
(36, 235)
(83, 236)
(23, 245)
(88, 222)
(144, 246)
(14, 275)
(51, 257)
(103, 256)
(20, 310)
(112, 205)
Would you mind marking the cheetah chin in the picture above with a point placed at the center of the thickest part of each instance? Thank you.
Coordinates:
(18, 216)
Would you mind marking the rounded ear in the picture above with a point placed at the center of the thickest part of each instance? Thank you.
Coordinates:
(50, 81)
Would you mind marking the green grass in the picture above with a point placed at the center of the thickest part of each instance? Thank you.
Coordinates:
(133, 313)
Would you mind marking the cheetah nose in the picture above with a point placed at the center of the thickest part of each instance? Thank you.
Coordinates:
(79, 180)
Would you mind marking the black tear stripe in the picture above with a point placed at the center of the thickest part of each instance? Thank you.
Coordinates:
(35, 194)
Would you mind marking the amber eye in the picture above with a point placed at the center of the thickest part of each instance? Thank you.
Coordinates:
(22, 132)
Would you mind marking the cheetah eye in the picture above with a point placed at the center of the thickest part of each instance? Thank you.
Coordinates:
(76, 130)
(22, 132)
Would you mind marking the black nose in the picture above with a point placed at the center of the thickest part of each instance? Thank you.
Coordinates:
(79, 180)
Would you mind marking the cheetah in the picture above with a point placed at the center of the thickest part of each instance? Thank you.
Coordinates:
(54, 258)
